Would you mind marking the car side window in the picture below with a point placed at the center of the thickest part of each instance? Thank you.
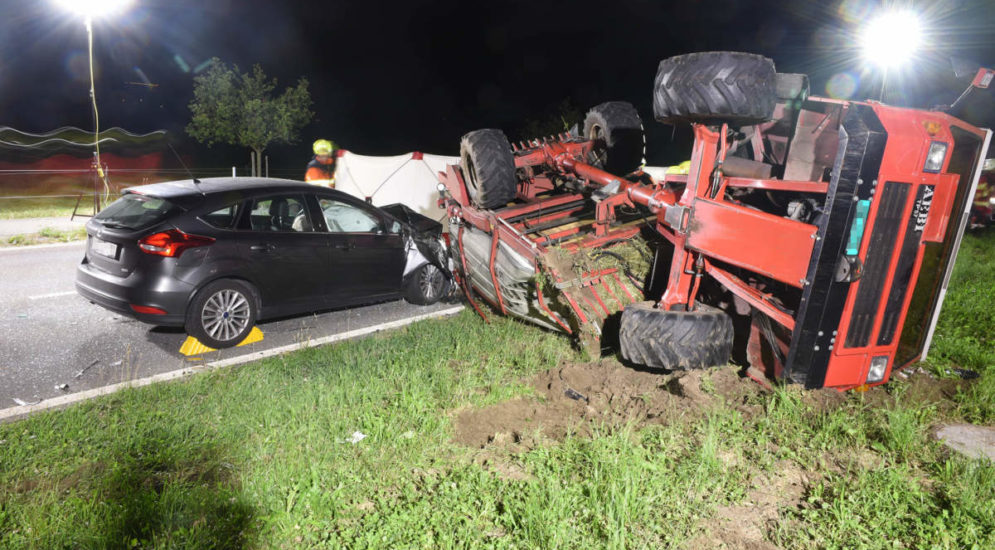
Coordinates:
(280, 214)
(222, 218)
(346, 218)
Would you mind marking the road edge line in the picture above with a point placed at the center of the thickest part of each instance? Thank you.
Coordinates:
(37, 246)
(62, 400)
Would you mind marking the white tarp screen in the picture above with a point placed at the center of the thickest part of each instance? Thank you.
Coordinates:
(409, 179)
(406, 179)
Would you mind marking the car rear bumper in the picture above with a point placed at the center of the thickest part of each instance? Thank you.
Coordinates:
(118, 294)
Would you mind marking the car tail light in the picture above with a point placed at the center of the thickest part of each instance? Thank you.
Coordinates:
(147, 309)
(171, 243)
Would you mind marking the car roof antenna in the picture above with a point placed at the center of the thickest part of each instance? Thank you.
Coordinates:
(196, 181)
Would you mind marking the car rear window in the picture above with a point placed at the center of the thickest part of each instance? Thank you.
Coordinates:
(133, 211)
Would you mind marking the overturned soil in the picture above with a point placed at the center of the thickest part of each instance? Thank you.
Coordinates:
(573, 398)
(578, 398)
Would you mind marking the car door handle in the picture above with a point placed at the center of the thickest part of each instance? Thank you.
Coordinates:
(344, 246)
(262, 248)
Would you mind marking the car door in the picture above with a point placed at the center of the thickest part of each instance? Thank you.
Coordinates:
(286, 257)
(372, 252)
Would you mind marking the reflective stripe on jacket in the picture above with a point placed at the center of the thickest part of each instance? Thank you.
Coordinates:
(321, 173)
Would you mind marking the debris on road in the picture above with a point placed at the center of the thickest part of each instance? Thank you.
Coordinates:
(62, 387)
(86, 368)
(24, 403)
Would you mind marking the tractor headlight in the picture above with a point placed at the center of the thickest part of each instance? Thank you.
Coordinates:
(991, 200)
(935, 157)
(878, 367)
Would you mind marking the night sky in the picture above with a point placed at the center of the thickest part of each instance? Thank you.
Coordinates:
(391, 77)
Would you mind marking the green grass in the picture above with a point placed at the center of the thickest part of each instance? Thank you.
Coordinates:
(256, 456)
(43, 207)
(965, 333)
(47, 235)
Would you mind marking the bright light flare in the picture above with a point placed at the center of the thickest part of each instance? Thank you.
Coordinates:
(93, 8)
(892, 38)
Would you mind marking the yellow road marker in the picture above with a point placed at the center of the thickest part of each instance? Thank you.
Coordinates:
(193, 346)
(255, 335)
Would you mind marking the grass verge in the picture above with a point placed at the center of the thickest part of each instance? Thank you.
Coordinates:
(47, 235)
(43, 207)
(260, 456)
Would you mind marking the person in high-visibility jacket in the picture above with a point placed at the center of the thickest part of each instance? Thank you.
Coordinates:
(983, 196)
(983, 204)
(321, 170)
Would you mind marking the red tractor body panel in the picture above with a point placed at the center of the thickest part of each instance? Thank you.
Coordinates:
(843, 258)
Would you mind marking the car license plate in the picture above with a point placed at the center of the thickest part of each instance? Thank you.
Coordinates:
(104, 248)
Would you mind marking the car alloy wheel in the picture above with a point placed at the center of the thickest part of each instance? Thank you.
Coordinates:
(225, 315)
(431, 281)
(426, 285)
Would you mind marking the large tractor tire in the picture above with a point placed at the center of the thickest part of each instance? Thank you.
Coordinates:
(675, 339)
(617, 131)
(488, 168)
(714, 88)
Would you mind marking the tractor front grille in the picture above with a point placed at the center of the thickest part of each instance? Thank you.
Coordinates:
(881, 249)
(906, 264)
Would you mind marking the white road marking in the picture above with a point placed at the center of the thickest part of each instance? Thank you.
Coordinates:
(36, 246)
(52, 295)
(63, 400)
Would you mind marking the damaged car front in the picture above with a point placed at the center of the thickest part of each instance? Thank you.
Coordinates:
(428, 265)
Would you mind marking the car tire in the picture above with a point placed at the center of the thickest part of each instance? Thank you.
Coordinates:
(426, 285)
(617, 131)
(675, 339)
(222, 313)
(714, 88)
(488, 168)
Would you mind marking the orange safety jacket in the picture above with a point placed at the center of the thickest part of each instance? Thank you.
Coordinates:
(321, 173)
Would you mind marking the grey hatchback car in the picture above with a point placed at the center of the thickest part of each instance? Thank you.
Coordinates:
(218, 254)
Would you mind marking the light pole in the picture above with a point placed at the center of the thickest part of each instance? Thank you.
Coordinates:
(890, 40)
(89, 9)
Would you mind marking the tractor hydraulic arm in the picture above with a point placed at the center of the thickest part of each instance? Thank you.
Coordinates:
(656, 198)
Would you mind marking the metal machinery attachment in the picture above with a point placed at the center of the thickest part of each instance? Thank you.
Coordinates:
(823, 231)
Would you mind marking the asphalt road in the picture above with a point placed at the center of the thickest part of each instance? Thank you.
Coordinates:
(50, 336)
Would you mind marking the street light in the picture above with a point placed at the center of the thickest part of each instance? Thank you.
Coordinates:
(890, 40)
(90, 9)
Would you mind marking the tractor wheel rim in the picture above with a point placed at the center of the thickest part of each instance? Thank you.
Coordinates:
(225, 315)
(429, 282)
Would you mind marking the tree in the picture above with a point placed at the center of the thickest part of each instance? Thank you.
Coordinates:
(241, 109)
(554, 123)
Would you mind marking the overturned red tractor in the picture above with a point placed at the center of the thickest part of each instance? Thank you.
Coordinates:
(815, 237)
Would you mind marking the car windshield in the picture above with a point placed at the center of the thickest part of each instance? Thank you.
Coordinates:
(133, 211)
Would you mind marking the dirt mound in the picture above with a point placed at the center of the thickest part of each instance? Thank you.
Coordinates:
(574, 397)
